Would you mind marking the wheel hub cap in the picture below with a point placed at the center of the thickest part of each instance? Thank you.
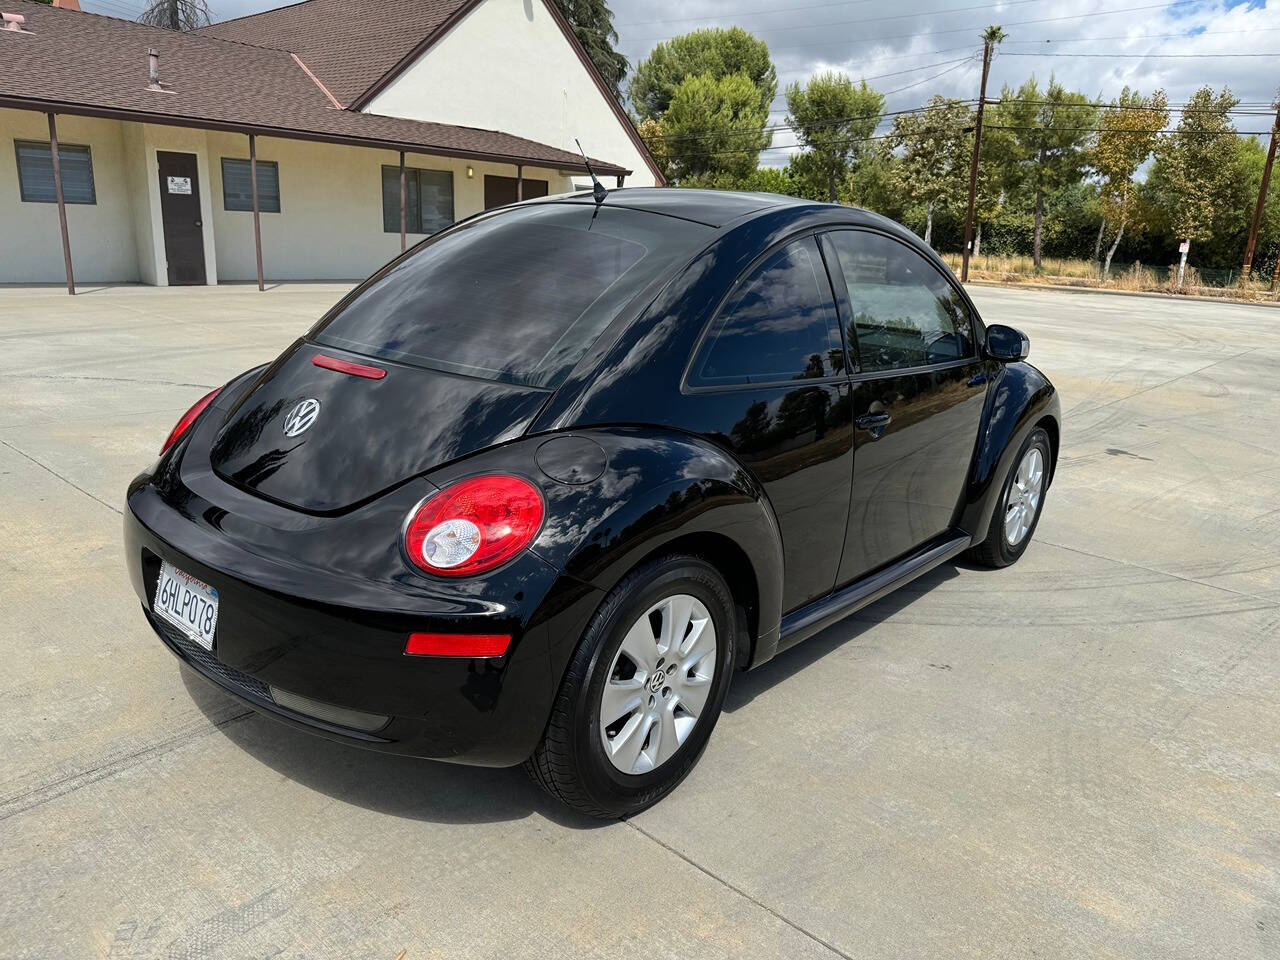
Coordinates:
(1024, 497)
(658, 684)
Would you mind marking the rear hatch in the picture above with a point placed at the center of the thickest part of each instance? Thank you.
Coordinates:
(474, 329)
(364, 435)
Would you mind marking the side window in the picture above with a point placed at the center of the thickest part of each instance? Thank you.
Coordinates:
(35, 173)
(778, 325)
(237, 185)
(428, 200)
(903, 312)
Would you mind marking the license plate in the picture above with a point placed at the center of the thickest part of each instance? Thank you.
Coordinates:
(189, 604)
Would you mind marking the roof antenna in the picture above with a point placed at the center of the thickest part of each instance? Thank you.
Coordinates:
(598, 191)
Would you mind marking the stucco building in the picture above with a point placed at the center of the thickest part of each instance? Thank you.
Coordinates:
(350, 120)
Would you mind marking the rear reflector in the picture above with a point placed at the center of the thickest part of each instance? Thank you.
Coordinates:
(457, 644)
(346, 366)
(342, 716)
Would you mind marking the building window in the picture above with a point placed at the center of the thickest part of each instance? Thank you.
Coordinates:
(35, 173)
(237, 186)
(428, 200)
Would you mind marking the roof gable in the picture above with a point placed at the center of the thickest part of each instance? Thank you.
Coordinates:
(349, 44)
(357, 47)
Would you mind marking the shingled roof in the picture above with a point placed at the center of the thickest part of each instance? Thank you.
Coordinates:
(348, 44)
(83, 63)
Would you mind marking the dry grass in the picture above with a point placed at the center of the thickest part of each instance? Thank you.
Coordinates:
(1014, 270)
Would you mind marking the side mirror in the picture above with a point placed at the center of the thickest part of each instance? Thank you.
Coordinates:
(1006, 344)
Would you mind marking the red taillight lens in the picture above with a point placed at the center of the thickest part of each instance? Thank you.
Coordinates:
(189, 418)
(457, 644)
(474, 525)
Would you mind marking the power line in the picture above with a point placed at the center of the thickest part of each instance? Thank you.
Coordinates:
(886, 136)
(1173, 108)
(744, 13)
(1138, 56)
(836, 23)
(777, 128)
(937, 33)
(1151, 36)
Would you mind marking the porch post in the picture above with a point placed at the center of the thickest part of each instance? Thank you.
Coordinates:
(253, 189)
(402, 213)
(62, 206)
(519, 182)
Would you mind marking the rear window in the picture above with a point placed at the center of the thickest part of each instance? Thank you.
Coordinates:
(518, 297)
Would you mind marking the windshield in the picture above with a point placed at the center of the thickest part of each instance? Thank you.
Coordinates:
(518, 297)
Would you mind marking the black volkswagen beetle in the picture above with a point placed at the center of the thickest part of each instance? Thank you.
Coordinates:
(535, 491)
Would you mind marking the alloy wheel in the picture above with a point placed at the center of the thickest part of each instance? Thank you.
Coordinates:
(658, 684)
(1024, 496)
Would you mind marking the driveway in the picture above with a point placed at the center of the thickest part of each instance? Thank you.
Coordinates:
(1075, 757)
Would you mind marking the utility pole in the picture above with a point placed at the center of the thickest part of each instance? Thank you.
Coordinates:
(1262, 196)
(990, 38)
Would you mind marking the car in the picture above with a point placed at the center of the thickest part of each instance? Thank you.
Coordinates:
(535, 491)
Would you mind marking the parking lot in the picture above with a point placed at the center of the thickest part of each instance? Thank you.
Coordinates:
(1075, 757)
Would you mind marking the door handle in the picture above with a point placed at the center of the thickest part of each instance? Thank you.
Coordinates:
(199, 223)
(873, 423)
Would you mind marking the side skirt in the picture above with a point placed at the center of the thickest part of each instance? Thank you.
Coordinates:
(809, 619)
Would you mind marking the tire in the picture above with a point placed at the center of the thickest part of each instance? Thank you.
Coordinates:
(998, 549)
(583, 756)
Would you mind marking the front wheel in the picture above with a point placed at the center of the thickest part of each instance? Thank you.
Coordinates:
(1015, 517)
(642, 692)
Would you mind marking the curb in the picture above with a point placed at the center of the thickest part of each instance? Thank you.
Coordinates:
(1151, 295)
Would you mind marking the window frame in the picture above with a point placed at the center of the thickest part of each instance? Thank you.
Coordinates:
(687, 386)
(222, 169)
(453, 198)
(844, 307)
(48, 144)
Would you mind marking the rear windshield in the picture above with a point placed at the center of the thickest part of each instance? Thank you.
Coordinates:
(517, 297)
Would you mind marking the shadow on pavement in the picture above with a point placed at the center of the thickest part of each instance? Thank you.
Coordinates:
(396, 785)
(452, 793)
(747, 686)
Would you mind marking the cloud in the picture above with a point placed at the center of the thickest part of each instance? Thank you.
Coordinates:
(871, 39)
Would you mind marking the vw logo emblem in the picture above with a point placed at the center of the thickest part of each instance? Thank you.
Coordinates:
(301, 417)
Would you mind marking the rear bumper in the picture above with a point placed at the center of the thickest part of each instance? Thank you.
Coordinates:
(339, 642)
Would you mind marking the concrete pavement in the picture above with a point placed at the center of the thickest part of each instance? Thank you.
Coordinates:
(1077, 756)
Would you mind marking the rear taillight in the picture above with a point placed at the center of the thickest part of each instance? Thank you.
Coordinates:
(474, 525)
(189, 418)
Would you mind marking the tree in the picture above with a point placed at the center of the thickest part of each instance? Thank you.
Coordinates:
(760, 180)
(713, 51)
(996, 177)
(176, 14)
(830, 116)
(592, 23)
(714, 125)
(935, 155)
(1127, 135)
(1051, 132)
(1197, 160)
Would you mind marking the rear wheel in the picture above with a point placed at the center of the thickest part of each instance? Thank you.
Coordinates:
(1015, 517)
(642, 692)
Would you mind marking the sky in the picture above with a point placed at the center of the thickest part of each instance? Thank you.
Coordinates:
(912, 49)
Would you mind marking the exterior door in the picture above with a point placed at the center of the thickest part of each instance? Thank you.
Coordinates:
(180, 213)
(769, 378)
(918, 388)
(502, 190)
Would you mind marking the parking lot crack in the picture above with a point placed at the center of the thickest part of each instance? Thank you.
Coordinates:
(49, 469)
(740, 892)
(53, 789)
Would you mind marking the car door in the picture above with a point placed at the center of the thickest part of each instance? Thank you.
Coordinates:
(768, 377)
(918, 384)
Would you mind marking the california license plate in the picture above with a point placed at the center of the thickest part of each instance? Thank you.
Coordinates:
(189, 604)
